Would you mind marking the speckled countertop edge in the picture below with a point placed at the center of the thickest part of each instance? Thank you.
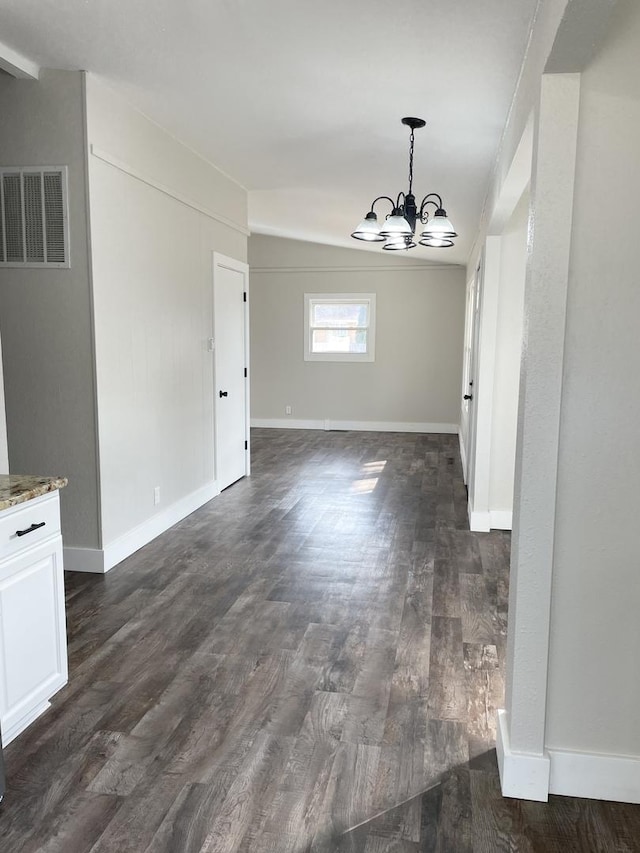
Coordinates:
(18, 488)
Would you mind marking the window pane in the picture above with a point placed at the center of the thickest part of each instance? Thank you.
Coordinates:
(349, 315)
(339, 340)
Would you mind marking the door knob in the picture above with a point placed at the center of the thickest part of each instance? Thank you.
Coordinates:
(224, 393)
(466, 396)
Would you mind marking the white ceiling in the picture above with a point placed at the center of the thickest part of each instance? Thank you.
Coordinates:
(299, 100)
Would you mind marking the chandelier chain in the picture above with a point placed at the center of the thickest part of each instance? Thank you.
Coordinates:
(411, 162)
(398, 229)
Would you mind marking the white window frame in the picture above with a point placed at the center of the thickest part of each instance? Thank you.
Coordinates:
(311, 299)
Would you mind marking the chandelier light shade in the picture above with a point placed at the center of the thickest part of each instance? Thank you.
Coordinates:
(396, 225)
(396, 244)
(399, 227)
(369, 229)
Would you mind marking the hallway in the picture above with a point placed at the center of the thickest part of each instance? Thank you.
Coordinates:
(322, 643)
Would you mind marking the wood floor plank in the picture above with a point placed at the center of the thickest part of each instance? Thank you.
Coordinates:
(309, 663)
(485, 693)
(76, 826)
(371, 690)
(447, 688)
(455, 830)
(477, 622)
(446, 578)
(258, 775)
(350, 797)
(187, 822)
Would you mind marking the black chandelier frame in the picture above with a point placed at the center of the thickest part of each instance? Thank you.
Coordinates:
(438, 232)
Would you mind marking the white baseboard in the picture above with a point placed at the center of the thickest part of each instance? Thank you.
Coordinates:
(495, 519)
(597, 777)
(571, 774)
(84, 560)
(480, 522)
(523, 775)
(501, 519)
(100, 561)
(287, 423)
(358, 426)
(463, 457)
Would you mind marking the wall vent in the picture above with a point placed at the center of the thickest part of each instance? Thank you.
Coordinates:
(34, 229)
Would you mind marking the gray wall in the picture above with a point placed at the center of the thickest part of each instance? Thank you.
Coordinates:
(152, 251)
(144, 383)
(416, 377)
(594, 683)
(513, 256)
(45, 315)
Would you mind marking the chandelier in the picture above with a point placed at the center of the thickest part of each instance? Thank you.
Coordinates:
(399, 227)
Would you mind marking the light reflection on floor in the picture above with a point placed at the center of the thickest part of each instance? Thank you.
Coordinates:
(371, 473)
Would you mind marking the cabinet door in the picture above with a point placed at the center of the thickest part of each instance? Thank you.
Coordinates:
(33, 649)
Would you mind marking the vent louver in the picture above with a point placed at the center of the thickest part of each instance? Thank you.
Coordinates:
(33, 217)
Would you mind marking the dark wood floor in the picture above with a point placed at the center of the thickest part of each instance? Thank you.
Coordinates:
(311, 662)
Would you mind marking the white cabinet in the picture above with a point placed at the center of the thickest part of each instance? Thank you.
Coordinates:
(33, 643)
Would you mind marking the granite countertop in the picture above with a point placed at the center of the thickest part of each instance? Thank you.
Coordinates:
(17, 488)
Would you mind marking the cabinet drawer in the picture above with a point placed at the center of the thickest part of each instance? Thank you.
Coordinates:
(33, 650)
(29, 523)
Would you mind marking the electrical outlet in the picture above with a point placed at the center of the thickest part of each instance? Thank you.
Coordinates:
(156, 495)
(287, 410)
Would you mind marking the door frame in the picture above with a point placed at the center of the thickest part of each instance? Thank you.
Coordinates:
(468, 370)
(220, 261)
(474, 377)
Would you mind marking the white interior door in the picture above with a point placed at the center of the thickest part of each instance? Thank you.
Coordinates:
(472, 379)
(231, 348)
(467, 380)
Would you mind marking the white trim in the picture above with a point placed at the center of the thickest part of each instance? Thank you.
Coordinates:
(134, 539)
(500, 519)
(146, 179)
(227, 262)
(288, 423)
(463, 455)
(368, 299)
(12, 731)
(494, 519)
(597, 777)
(84, 560)
(522, 775)
(539, 412)
(484, 380)
(100, 561)
(385, 268)
(18, 65)
(479, 522)
(356, 426)
(92, 316)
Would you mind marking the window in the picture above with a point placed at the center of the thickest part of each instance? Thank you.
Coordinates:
(33, 217)
(339, 326)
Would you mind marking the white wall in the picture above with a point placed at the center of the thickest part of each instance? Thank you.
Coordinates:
(107, 375)
(491, 451)
(594, 679)
(572, 687)
(158, 211)
(45, 314)
(508, 346)
(416, 376)
(547, 20)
